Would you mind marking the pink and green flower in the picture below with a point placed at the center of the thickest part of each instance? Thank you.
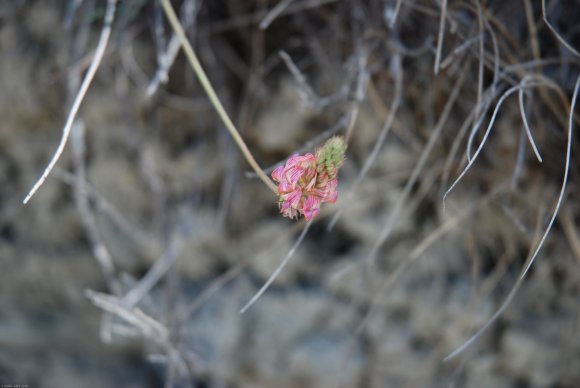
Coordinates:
(306, 181)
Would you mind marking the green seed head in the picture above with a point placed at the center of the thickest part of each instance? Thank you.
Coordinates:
(331, 156)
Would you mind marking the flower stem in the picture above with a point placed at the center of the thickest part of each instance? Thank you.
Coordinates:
(214, 99)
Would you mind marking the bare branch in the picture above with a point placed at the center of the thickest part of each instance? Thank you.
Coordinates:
(99, 52)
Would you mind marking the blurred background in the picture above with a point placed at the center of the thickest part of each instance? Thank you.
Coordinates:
(130, 265)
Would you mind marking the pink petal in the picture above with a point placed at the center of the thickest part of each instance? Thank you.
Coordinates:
(332, 184)
(284, 187)
(332, 197)
(277, 174)
(311, 206)
(331, 194)
(312, 201)
(293, 160)
(293, 174)
(293, 197)
(309, 158)
(284, 205)
(300, 158)
(311, 213)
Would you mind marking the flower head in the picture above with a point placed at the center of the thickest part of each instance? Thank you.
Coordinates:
(306, 181)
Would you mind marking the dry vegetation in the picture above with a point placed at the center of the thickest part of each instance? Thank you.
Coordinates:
(455, 234)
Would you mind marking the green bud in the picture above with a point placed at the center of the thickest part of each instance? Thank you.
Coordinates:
(331, 156)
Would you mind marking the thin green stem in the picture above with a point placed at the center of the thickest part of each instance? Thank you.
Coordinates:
(206, 84)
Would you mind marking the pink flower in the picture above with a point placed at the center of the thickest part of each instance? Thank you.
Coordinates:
(304, 183)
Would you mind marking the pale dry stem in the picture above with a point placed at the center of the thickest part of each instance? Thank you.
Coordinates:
(99, 52)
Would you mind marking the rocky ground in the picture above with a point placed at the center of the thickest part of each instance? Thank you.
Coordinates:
(130, 265)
